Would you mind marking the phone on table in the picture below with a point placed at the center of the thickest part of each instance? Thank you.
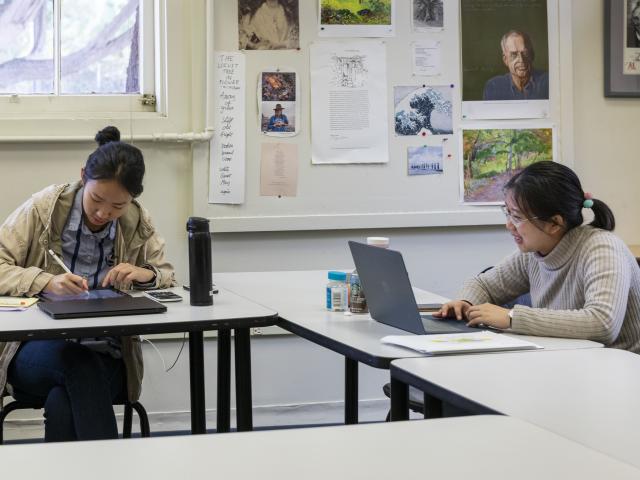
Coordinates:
(162, 296)
(214, 289)
(429, 307)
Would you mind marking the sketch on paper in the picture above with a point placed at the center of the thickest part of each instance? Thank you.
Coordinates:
(423, 110)
(349, 121)
(268, 24)
(355, 12)
(424, 160)
(349, 71)
(427, 14)
(490, 157)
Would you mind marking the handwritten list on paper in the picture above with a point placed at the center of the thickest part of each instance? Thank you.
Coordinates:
(227, 148)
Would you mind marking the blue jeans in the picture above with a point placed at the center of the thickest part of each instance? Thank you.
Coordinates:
(76, 385)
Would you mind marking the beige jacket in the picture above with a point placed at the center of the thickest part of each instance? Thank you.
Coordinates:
(25, 266)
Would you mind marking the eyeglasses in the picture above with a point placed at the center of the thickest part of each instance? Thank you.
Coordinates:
(515, 219)
(523, 54)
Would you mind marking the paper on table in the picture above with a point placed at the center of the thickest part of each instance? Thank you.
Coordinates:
(16, 302)
(459, 342)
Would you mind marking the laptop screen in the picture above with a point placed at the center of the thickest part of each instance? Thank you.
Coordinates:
(387, 288)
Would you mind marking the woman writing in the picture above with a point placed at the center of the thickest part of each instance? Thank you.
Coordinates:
(584, 282)
(105, 238)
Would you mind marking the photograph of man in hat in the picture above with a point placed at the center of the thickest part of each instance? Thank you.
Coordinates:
(278, 121)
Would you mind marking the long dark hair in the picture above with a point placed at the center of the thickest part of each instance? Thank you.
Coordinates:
(115, 160)
(545, 189)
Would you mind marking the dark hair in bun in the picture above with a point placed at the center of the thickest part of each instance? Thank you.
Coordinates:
(107, 134)
(116, 160)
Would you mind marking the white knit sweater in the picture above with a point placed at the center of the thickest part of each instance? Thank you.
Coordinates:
(588, 287)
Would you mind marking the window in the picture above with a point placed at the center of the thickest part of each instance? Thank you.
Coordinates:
(72, 48)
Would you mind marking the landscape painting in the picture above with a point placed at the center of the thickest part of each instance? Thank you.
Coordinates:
(490, 157)
(355, 12)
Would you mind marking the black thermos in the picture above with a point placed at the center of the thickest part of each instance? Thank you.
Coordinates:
(200, 276)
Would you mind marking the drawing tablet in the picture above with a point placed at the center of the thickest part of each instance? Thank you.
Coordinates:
(97, 303)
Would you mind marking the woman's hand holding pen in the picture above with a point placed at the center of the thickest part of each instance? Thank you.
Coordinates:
(124, 274)
(67, 284)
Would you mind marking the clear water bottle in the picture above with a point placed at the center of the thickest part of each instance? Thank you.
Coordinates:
(337, 292)
(200, 269)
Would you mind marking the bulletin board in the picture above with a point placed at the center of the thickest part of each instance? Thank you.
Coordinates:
(356, 196)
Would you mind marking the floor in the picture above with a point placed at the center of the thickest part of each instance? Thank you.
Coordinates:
(294, 416)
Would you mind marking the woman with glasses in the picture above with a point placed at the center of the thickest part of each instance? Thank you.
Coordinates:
(583, 280)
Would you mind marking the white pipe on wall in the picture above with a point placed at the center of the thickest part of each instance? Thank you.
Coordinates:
(153, 137)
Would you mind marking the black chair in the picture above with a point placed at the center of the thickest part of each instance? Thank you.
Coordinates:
(126, 424)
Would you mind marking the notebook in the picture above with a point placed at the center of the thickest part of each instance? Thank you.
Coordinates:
(459, 343)
(16, 304)
(390, 298)
(97, 303)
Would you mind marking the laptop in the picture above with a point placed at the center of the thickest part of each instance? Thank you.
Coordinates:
(390, 298)
(97, 303)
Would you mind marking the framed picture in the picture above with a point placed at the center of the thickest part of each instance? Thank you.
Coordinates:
(622, 48)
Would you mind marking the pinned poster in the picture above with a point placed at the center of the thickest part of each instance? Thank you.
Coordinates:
(427, 58)
(423, 110)
(492, 156)
(505, 59)
(631, 42)
(427, 15)
(227, 147)
(349, 102)
(278, 105)
(356, 18)
(279, 170)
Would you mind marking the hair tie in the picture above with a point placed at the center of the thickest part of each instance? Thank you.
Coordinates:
(588, 200)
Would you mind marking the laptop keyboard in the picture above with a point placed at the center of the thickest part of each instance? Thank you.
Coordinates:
(445, 326)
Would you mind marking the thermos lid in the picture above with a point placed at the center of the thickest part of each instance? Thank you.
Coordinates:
(197, 224)
(378, 241)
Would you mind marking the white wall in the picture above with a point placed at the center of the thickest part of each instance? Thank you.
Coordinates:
(606, 129)
(438, 258)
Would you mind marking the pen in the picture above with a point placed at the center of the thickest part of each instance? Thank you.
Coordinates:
(60, 262)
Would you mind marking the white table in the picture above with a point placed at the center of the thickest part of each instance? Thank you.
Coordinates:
(590, 396)
(230, 311)
(481, 447)
(298, 297)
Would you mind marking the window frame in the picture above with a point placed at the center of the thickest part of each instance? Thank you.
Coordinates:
(89, 106)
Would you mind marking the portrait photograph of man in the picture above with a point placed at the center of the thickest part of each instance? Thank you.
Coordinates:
(505, 50)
